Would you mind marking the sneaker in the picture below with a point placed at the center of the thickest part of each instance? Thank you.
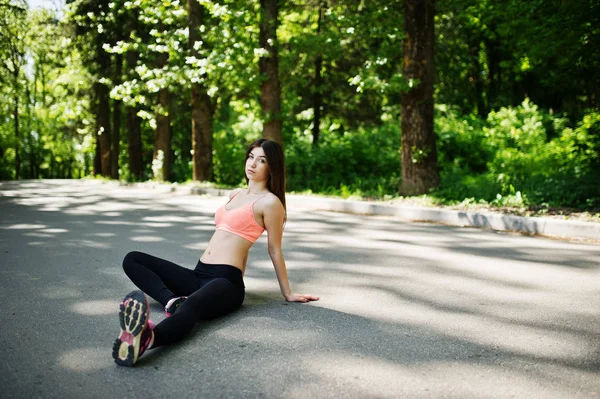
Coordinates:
(136, 329)
(173, 304)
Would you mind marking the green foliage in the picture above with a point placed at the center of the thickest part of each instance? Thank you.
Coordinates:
(522, 165)
(233, 132)
(460, 140)
(517, 119)
(361, 163)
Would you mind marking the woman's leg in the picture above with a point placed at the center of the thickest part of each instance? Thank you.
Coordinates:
(159, 278)
(217, 297)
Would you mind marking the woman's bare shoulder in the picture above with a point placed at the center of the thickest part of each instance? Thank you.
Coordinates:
(273, 200)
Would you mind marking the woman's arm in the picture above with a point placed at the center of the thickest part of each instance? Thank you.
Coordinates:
(273, 216)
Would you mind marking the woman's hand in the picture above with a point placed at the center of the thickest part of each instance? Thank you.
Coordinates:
(301, 298)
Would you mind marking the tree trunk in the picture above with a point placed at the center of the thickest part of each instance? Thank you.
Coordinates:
(202, 115)
(494, 72)
(134, 139)
(116, 115)
(419, 156)
(17, 136)
(32, 98)
(317, 89)
(97, 157)
(103, 128)
(270, 91)
(201, 133)
(103, 112)
(16, 72)
(161, 163)
(134, 145)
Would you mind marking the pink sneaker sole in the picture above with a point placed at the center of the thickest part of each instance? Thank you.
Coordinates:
(133, 316)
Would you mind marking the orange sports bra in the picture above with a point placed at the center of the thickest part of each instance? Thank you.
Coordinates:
(239, 221)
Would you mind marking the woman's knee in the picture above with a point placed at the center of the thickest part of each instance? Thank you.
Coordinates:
(129, 260)
(215, 299)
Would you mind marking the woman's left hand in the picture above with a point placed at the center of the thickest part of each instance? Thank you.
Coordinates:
(301, 298)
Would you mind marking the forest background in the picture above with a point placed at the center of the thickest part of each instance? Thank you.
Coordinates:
(174, 91)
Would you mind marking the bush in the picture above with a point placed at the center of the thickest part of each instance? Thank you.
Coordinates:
(518, 156)
(359, 163)
(522, 165)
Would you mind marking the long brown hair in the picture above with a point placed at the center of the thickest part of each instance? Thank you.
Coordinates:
(276, 162)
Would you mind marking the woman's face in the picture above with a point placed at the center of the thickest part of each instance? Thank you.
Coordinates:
(257, 168)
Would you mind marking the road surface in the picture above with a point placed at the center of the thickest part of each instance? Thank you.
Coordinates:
(407, 309)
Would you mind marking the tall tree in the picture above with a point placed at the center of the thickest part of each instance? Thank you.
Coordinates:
(318, 80)
(93, 27)
(116, 116)
(12, 34)
(161, 161)
(118, 35)
(134, 130)
(270, 90)
(419, 157)
(103, 127)
(202, 110)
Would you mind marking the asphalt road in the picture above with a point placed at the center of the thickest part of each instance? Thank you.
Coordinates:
(407, 309)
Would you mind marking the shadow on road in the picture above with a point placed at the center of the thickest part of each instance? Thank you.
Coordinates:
(407, 309)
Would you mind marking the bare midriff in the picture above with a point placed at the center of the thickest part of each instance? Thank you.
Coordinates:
(226, 248)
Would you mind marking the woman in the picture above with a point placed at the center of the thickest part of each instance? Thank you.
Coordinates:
(215, 287)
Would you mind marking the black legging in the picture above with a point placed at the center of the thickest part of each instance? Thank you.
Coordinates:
(212, 291)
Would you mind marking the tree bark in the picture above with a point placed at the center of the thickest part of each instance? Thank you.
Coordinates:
(318, 82)
(103, 128)
(103, 112)
(134, 135)
(270, 90)
(17, 134)
(116, 116)
(202, 114)
(419, 156)
(97, 157)
(134, 145)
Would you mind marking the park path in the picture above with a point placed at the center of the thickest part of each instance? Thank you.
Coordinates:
(407, 310)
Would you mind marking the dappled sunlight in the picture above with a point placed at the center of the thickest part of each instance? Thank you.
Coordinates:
(313, 244)
(96, 308)
(127, 223)
(85, 359)
(208, 227)
(462, 317)
(113, 214)
(78, 243)
(375, 377)
(115, 271)
(103, 234)
(298, 256)
(54, 231)
(146, 239)
(197, 246)
(55, 202)
(108, 208)
(24, 226)
(402, 305)
(39, 235)
(167, 218)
